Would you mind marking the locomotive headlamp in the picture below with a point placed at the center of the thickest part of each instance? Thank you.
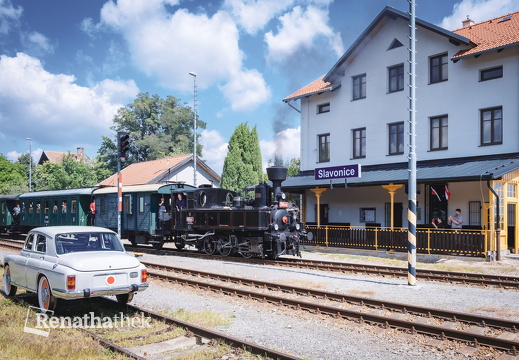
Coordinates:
(276, 227)
(298, 226)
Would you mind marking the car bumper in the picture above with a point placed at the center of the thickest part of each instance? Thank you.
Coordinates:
(86, 293)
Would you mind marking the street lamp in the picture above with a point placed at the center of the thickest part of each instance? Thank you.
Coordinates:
(30, 163)
(194, 126)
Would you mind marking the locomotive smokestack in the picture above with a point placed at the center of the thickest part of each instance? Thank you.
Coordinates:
(277, 175)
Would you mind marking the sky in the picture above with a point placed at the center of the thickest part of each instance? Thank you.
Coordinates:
(67, 66)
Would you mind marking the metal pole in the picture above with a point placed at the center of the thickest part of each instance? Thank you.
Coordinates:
(119, 195)
(411, 210)
(194, 127)
(30, 163)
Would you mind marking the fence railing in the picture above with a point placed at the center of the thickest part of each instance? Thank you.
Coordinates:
(430, 241)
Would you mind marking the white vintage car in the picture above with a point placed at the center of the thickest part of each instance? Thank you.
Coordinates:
(72, 262)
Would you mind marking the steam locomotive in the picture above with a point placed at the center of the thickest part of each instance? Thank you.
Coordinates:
(219, 221)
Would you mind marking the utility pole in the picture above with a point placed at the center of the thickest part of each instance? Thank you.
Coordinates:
(194, 127)
(30, 163)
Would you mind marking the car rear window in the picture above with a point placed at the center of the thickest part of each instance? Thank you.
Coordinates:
(77, 242)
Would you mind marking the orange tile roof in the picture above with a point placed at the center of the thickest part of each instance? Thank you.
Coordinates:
(492, 34)
(315, 87)
(57, 156)
(145, 172)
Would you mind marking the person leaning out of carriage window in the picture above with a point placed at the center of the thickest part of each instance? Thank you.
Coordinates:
(456, 220)
(16, 214)
(162, 212)
(92, 212)
(439, 224)
(180, 203)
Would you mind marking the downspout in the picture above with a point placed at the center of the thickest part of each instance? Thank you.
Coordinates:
(498, 229)
(292, 106)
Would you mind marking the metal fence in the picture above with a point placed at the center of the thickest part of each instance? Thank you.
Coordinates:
(430, 241)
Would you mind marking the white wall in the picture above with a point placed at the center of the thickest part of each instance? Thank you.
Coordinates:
(461, 98)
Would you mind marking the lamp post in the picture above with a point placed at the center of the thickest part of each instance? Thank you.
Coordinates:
(30, 163)
(194, 127)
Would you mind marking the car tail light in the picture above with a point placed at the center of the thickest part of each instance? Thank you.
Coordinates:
(144, 276)
(71, 282)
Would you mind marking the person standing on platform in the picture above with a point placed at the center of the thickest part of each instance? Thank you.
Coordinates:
(456, 220)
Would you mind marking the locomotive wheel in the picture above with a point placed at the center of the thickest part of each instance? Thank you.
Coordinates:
(179, 243)
(246, 255)
(158, 245)
(225, 245)
(210, 245)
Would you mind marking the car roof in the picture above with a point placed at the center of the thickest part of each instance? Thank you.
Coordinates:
(54, 230)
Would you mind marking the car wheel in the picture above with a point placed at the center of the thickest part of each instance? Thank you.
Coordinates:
(124, 298)
(9, 289)
(46, 300)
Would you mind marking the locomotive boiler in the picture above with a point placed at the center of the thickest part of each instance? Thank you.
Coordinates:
(219, 221)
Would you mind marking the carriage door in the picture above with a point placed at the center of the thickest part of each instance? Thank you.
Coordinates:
(129, 217)
(511, 209)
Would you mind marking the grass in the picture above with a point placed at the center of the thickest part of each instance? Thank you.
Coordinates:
(74, 344)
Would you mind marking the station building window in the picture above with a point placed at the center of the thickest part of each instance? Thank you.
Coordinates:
(359, 143)
(396, 78)
(438, 68)
(490, 74)
(396, 138)
(323, 108)
(439, 132)
(359, 87)
(324, 147)
(492, 126)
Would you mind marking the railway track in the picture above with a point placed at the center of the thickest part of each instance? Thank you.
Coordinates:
(499, 334)
(199, 336)
(464, 278)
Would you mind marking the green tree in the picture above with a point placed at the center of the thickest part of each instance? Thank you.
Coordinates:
(12, 177)
(242, 165)
(24, 160)
(158, 128)
(67, 174)
(293, 165)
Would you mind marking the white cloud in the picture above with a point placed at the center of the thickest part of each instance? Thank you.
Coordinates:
(478, 11)
(14, 155)
(9, 16)
(169, 46)
(286, 144)
(51, 108)
(299, 29)
(215, 149)
(253, 15)
(38, 43)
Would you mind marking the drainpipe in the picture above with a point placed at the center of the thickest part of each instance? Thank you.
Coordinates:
(498, 229)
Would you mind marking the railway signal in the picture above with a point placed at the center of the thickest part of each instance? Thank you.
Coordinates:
(123, 144)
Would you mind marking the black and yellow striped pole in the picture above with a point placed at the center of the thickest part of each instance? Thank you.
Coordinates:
(411, 210)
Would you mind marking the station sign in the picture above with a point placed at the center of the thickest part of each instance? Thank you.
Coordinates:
(337, 172)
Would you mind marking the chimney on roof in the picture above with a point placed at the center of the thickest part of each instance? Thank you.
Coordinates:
(467, 22)
(80, 153)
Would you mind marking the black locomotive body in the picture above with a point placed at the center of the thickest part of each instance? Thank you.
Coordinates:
(218, 221)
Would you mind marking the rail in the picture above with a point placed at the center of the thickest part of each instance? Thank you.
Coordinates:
(429, 241)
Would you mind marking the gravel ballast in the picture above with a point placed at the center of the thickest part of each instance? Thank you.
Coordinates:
(312, 336)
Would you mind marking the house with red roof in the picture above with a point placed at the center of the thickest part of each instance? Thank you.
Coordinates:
(57, 156)
(172, 169)
(466, 126)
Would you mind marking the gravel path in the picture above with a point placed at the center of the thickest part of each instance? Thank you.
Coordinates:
(311, 336)
(320, 337)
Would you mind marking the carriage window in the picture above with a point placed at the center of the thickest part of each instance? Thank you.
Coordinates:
(74, 206)
(202, 198)
(3, 207)
(41, 243)
(30, 207)
(28, 242)
(55, 207)
(38, 207)
(46, 206)
(141, 204)
(102, 205)
(229, 198)
(64, 206)
(128, 204)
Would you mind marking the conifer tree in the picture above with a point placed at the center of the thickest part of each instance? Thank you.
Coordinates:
(242, 165)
